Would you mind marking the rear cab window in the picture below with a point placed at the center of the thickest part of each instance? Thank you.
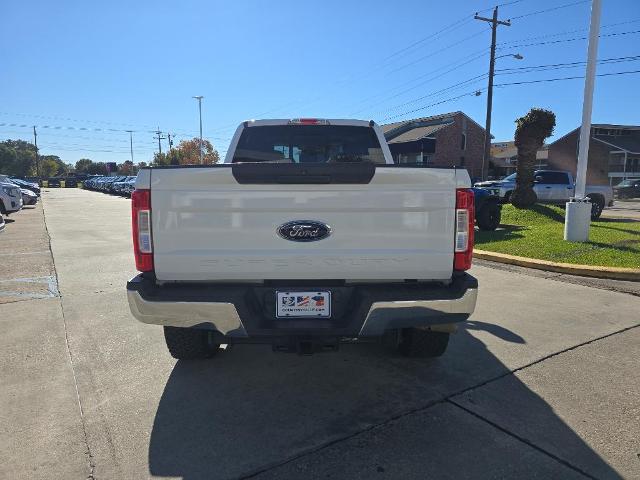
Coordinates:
(554, 178)
(308, 144)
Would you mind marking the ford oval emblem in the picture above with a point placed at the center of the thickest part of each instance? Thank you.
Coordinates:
(304, 231)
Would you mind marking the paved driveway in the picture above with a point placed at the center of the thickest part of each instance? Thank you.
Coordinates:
(623, 209)
(543, 382)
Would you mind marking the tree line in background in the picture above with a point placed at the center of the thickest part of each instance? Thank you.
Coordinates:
(19, 158)
(188, 153)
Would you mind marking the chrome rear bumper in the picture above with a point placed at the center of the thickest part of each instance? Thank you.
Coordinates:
(234, 310)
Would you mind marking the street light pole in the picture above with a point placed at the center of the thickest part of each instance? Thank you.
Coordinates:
(131, 143)
(35, 141)
(199, 98)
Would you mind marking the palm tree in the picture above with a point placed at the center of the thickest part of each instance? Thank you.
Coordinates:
(531, 132)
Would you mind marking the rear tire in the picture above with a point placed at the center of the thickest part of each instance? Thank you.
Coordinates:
(418, 343)
(190, 343)
(597, 205)
(489, 216)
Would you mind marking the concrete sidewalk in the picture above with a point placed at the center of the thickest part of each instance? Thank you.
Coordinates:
(41, 429)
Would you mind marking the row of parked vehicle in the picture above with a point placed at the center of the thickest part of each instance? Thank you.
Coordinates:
(122, 185)
(15, 193)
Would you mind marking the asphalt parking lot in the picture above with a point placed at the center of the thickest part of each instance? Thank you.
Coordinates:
(543, 382)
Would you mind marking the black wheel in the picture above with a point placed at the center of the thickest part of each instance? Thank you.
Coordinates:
(597, 205)
(415, 342)
(507, 197)
(488, 217)
(190, 343)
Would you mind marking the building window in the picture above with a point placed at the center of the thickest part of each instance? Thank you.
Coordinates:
(612, 132)
(410, 157)
(463, 142)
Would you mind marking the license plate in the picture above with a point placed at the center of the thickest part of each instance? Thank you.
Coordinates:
(303, 304)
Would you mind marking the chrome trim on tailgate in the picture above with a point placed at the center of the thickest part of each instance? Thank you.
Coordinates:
(222, 316)
(411, 313)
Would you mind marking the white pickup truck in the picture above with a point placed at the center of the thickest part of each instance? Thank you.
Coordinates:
(554, 187)
(306, 236)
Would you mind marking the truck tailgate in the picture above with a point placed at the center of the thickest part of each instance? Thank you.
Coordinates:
(208, 227)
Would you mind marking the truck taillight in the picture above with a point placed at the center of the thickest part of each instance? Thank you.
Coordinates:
(465, 217)
(141, 227)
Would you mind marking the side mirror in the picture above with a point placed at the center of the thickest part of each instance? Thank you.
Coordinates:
(538, 179)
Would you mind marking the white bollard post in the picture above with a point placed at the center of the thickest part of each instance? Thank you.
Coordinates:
(577, 221)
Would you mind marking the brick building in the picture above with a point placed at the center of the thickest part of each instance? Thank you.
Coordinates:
(447, 140)
(504, 159)
(614, 153)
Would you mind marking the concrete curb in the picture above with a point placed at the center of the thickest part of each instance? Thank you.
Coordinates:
(612, 273)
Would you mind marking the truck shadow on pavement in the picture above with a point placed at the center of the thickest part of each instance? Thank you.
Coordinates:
(249, 410)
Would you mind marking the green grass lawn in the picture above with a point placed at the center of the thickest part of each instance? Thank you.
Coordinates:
(538, 233)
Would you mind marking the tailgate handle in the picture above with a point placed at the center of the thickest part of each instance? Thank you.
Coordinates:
(304, 179)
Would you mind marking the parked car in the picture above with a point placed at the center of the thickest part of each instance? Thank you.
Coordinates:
(129, 187)
(28, 197)
(10, 196)
(306, 236)
(488, 209)
(553, 187)
(54, 182)
(119, 186)
(34, 187)
(70, 182)
(629, 188)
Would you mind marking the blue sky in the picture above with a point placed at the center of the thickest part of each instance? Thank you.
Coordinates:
(95, 69)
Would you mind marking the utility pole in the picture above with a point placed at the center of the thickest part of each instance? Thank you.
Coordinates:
(159, 137)
(131, 143)
(35, 142)
(487, 138)
(199, 98)
(578, 210)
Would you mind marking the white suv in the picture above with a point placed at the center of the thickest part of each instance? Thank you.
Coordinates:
(10, 196)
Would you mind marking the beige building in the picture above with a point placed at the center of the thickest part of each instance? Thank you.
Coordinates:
(504, 159)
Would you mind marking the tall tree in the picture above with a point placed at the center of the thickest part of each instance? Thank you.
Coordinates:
(97, 168)
(52, 165)
(189, 152)
(126, 168)
(82, 165)
(18, 158)
(531, 132)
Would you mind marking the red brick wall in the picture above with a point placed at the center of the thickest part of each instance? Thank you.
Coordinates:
(449, 140)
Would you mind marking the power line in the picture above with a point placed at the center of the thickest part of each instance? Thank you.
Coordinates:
(430, 79)
(454, 26)
(464, 83)
(438, 51)
(552, 9)
(88, 129)
(566, 78)
(631, 32)
(566, 32)
(474, 93)
(560, 66)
